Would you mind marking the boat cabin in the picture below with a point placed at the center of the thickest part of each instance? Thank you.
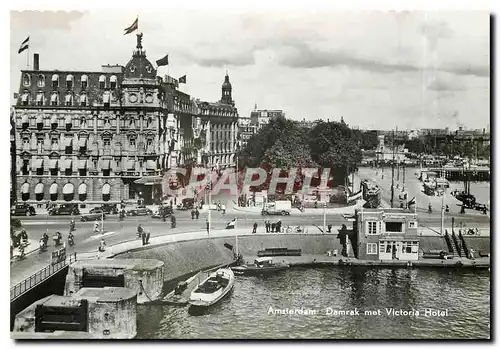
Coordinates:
(263, 262)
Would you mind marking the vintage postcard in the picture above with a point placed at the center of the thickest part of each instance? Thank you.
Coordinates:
(222, 174)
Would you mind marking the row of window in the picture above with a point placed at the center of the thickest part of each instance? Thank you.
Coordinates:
(54, 141)
(218, 112)
(375, 227)
(68, 192)
(82, 121)
(389, 247)
(70, 81)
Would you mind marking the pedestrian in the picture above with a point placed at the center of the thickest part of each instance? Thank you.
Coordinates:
(329, 228)
(278, 226)
(254, 228)
(192, 214)
(223, 208)
(462, 210)
(273, 225)
(267, 226)
(208, 227)
(96, 227)
(175, 200)
(140, 230)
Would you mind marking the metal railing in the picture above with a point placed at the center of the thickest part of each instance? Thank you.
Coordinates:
(39, 277)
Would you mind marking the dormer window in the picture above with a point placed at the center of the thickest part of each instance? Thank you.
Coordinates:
(41, 81)
(106, 98)
(55, 81)
(102, 82)
(39, 98)
(69, 100)
(112, 82)
(83, 100)
(26, 80)
(69, 81)
(25, 98)
(54, 100)
(84, 82)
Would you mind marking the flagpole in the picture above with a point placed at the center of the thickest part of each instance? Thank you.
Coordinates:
(28, 57)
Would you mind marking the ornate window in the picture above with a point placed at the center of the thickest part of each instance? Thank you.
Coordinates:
(55, 81)
(84, 82)
(112, 82)
(69, 81)
(26, 80)
(41, 81)
(102, 82)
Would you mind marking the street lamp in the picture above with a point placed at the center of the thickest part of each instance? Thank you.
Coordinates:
(324, 218)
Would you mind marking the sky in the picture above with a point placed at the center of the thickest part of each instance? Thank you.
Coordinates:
(376, 69)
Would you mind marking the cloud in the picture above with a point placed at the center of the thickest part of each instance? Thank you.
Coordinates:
(217, 60)
(34, 20)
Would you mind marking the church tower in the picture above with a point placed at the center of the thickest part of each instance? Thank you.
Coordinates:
(226, 92)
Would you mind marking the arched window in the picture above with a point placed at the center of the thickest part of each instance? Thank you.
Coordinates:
(82, 192)
(106, 192)
(55, 81)
(69, 81)
(25, 191)
(68, 192)
(112, 82)
(41, 81)
(53, 190)
(26, 80)
(40, 99)
(102, 81)
(39, 191)
(84, 82)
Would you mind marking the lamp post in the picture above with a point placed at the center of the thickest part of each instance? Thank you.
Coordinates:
(324, 218)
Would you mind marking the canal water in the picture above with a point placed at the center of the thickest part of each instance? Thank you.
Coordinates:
(308, 303)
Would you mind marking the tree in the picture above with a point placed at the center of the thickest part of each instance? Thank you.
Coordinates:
(333, 146)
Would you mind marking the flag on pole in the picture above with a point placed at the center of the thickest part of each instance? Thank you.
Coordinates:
(413, 202)
(232, 224)
(182, 79)
(24, 45)
(163, 61)
(133, 27)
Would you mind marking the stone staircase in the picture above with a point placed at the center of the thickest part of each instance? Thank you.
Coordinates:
(457, 245)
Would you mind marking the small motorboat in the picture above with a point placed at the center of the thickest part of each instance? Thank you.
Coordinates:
(212, 289)
(262, 265)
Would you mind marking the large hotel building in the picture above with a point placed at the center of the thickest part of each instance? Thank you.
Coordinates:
(103, 137)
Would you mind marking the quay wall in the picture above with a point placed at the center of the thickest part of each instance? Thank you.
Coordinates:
(187, 257)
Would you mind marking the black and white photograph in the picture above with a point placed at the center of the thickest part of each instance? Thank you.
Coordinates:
(237, 174)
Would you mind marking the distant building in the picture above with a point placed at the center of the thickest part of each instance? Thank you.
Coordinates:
(386, 153)
(386, 234)
(245, 130)
(261, 117)
(308, 124)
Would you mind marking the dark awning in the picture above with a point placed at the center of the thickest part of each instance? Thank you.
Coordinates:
(52, 163)
(82, 164)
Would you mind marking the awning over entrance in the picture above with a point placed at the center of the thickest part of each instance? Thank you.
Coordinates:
(130, 165)
(68, 164)
(52, 163)
(82, 142)
(82, 189)
(39, 188)
(151, 165)
(150, 180)
(82, 164)
(37, 163)
(68, 142)
(106, 188)
(53, 188)
(68, 189)
(25, 188)
(105, 164)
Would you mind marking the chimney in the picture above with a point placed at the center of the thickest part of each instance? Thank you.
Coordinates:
(36, 62)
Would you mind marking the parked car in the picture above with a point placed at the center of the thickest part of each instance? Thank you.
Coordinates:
(187, 204)
(140, 210)
(66, 209)
(108, 209)
(95, 216)
(480, 207)
(22, 210)
(159, 213)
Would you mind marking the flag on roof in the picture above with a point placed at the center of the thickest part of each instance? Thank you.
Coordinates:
(163, 61)
(24, 45)
(133, 27)
(232, 224)
(182, 79)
